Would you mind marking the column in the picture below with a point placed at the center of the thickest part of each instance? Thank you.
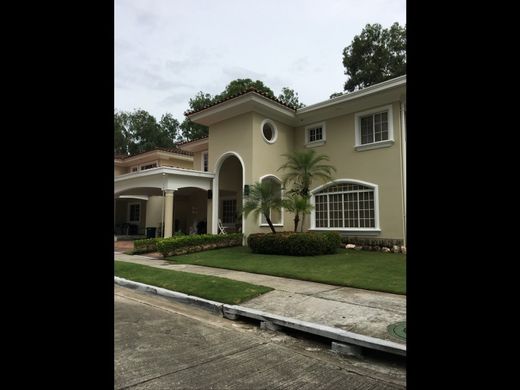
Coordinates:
(168, 213)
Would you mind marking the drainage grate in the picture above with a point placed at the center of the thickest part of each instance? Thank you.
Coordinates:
(398, 330)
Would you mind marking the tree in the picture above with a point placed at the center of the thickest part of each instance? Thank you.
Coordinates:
(297, 204)
(335, 94)
(169, 130)
(239, 86)
(262, 198)
(303, 167)
(289, 97)
(190, 130)
(374, 56)
(121, 133)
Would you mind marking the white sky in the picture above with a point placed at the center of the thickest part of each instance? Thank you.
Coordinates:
(166, 51)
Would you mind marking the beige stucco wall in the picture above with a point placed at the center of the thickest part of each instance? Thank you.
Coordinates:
(121, 213)
(120, 170)
(177, 163)
(377, 166)
(154, 210)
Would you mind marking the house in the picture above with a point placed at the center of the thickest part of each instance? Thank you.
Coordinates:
(362, 132)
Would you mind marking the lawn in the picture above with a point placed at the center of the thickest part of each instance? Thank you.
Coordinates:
(361, 269)
(208, 287)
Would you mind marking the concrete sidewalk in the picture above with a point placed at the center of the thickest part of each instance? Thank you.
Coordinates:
(355, 310)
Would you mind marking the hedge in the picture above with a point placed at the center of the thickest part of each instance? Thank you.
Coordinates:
(147, 245)
(294, 244)
(196, 243)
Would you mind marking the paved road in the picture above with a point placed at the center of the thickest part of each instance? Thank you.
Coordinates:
(160, 344)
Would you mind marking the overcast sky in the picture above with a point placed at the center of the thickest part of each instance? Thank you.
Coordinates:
(167, 51)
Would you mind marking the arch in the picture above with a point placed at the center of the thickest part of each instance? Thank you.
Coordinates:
(373, 186)
(215, 198)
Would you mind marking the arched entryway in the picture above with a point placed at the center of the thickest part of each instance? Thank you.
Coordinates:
(228, 193)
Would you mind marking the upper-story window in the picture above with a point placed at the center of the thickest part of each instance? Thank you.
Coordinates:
(315, 135)
(205, 161)
(269, 131)
(374, 128)
(134, 169)
(148, 166)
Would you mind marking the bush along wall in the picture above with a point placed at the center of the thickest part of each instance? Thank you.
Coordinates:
(294, 244)
(374, 244)
(181, 245)
(146, 246)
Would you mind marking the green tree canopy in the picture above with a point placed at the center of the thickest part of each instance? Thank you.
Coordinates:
(190, 130)
(374, 56)
(138, 131)
(289, 97)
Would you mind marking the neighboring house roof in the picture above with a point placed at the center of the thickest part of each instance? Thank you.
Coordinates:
(249, 90)
(196, 145)
(193, 140)
(169, 150)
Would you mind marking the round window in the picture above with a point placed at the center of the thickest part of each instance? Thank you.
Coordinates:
(269, 131)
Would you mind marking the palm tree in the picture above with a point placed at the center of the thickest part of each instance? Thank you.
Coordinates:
(303, 167)
(296, 203)
(261, 199)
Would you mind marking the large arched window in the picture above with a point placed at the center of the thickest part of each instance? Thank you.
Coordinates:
(345, 205)
(276, 216)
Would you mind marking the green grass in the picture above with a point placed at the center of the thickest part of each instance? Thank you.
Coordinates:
(208, 287)
(361, 269)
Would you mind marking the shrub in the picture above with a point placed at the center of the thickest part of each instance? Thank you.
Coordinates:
(294, 244)
(371, 243)
(197, 242)
(146, 245)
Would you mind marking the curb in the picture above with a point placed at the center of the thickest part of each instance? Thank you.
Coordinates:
(232, 311)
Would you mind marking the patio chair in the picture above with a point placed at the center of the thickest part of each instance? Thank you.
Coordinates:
(221, 227)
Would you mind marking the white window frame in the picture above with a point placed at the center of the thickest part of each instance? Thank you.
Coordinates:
(379, 144)
(148, 163)
(202, 161)
(273, 127)
(320, 142)
(130, 204)
(281, 224)
(375, 187)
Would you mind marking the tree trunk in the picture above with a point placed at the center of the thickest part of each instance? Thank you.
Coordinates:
(303, 220)
(296, 220)
(269, 222)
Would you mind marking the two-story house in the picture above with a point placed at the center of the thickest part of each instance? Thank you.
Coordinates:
(362, 132)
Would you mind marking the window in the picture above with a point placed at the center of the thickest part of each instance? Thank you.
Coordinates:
(148, 166)
(134, 212)
(315, 135)
(133, 169)
(276, 216)
(205, 161)
(374, 128)
(269, 131)
(346, 206)
(229, 209)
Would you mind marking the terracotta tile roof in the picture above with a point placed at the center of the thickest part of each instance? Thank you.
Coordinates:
(169, 150)
(193, 140)
(250, 89)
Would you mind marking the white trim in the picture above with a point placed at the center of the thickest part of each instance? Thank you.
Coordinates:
(282, 210)
(215, 197)
(130, 204)
(141, 197)
(403, 163)
(373, 89)
(375, 187)
(165, 170)
(322, 141)
(205, 153)
(375, 145)
(357, 118)
(273, 128)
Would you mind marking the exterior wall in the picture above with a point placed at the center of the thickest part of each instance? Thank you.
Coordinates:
(378, 166)
(121, 214)
(120, 170)
(154, 210)
(173, 162)
(267, 158)
(197, 160)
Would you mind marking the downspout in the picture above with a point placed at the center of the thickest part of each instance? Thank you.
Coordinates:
(403, 164)
(162, 213)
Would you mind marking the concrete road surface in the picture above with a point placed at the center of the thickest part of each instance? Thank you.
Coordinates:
(161, 344)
